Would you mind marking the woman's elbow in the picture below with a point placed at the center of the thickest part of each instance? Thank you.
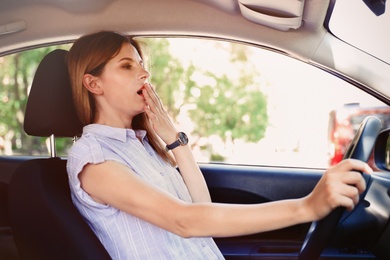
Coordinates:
(184, 228)
(185, 224)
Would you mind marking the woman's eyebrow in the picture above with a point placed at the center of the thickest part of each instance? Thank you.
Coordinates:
(127, 59)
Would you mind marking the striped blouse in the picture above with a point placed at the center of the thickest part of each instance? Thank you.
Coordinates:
(125, 236)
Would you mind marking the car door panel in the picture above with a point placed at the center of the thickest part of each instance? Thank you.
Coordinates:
(267, 183)
(259, 184)
(256, 184)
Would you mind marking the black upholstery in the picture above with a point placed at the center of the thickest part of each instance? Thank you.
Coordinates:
(44, 221)
(50, 108)
(4, 218)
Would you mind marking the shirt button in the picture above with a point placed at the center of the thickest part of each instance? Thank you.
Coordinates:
(203, 244)
(162, 174)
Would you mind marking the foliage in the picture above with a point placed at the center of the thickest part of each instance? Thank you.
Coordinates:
(166, 72)
(229, 107)
(16, 75)
(242, 116)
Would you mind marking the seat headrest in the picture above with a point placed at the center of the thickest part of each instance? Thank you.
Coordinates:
(50, 108)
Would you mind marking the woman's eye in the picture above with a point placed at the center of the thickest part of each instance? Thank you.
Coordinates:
(127, 66)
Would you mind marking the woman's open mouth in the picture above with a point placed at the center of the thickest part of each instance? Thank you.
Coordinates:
(139, 92)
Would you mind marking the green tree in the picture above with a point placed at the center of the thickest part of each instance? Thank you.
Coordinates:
(166, 73)
(230, 108)
(16, 74)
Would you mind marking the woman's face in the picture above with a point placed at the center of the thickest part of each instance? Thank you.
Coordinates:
(122, 79)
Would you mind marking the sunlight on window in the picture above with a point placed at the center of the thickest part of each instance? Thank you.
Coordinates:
(299, 101)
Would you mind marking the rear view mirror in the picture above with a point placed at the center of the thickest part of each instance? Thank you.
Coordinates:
(382, 150)
(378, 7)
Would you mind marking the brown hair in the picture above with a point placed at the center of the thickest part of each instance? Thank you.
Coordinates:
(89, 54)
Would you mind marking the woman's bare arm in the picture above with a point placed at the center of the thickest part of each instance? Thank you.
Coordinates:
(117, 185)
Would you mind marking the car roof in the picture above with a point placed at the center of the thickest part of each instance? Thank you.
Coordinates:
(42, 22)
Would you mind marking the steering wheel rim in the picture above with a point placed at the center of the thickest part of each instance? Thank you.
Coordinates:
(320, 231)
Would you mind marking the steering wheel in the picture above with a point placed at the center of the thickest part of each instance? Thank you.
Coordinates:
(320, 231)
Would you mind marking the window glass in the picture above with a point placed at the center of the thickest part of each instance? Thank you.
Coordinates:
(16, 74)
(238, 104)
(245, 105)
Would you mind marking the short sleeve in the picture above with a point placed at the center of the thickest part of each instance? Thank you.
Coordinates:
(86, 150)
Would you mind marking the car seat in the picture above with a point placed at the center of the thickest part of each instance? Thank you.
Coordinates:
(44, 221)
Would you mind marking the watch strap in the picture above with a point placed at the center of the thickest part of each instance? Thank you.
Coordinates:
(182, 139)
(172, 145)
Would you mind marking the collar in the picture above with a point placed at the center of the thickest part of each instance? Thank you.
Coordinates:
(115, 133)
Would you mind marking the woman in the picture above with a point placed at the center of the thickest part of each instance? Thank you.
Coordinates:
(125, 183)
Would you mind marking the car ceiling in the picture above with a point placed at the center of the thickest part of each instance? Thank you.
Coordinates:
(48, 21)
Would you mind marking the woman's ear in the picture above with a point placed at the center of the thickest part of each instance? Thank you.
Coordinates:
(90, 83)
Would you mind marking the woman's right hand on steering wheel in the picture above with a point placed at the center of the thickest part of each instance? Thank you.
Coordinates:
(340, 185)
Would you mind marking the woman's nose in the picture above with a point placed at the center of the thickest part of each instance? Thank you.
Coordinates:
(145, 74)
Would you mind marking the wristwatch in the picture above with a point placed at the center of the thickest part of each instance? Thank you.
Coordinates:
(182, 139)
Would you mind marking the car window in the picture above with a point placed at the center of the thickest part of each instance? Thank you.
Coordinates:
(238, 104)
(16, 74)
(246, 105)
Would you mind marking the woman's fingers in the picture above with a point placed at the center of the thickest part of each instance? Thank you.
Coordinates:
(347, 194)
(157, 114)
(351, 164)
(341, 185)
(349, 172)
(345, 185)
(151, 97)
(353, 179)
(154, 102)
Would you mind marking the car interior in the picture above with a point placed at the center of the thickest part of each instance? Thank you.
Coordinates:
(37, 217)
(39, 187)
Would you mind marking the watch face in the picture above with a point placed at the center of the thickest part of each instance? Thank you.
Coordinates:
(183, 139)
